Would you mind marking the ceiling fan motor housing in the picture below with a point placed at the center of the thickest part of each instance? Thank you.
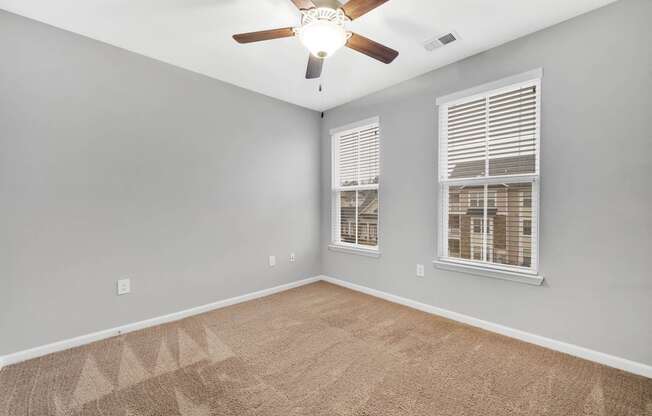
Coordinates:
(322, 31)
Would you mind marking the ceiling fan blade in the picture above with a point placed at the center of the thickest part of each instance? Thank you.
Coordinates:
(372, 49)
(314, 67)
(303, 4)
(356, 8)
(264, 35)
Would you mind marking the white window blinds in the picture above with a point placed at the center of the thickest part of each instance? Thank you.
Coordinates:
(356, 172)
(488, 174)
(494, 134)
(357, 161)
(511, 138)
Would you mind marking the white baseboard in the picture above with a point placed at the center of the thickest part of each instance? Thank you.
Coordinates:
(577, 351)
(107, 333)
(581, 352)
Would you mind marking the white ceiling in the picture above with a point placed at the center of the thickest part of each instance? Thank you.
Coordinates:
(196, 35)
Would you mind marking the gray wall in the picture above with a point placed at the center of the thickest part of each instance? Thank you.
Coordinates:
(114, 165)
(596, 153)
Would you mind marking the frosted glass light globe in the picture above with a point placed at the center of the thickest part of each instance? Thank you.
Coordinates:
(323, 38)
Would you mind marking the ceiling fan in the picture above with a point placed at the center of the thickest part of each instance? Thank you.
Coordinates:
(323, 32)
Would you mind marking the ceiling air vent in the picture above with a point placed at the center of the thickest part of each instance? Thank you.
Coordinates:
(440, 40)
(447, 38)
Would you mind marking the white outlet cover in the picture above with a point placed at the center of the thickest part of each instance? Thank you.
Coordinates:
(292, 257)
(272, 260)
(420, 270)
(124, 286)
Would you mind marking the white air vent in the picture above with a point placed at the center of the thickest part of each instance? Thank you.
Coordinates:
(440, 40)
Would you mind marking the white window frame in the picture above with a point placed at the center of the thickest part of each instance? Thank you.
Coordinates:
(514, 273)
(335, 243)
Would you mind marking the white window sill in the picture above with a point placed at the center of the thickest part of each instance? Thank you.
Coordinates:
(368, 252)
(514, 276)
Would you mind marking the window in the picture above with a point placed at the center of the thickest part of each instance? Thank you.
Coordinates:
(356, 174)
(453, 247)
(454, 222)
(527, 227)
(476, 199)
(488, 176)
(477, 225)
(477, 252)
(491, 199)
(527, 259)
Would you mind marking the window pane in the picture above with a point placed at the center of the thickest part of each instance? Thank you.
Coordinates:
(505, 238)
(509, 234)
(347, 216)
(465, 222)
(368, 217)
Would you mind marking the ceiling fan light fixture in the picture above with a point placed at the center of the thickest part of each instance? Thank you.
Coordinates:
(322, 31)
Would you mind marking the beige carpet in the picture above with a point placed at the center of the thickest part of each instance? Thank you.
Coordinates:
(317, 350)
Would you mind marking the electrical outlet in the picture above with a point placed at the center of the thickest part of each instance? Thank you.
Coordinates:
(420, 270)
(272, 260)
(293, 258)
(124, 286)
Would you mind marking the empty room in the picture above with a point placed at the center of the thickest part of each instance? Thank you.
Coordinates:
(325, 208)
